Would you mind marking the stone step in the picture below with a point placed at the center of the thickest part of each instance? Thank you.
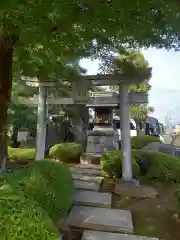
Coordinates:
(93, 199)
(82, 177)
(89, 171)
(88, 166)
(100, 219)
(94, 186)
(92, 235)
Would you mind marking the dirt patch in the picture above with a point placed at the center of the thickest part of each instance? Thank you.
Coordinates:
(153, 217)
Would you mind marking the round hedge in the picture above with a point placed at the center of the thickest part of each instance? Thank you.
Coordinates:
(111, 163)
(138, 142)
(20, 155)
(66, 152)
(33, 199)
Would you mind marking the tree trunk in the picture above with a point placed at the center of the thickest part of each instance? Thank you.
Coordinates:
(138, 128)
(14, 137)
(6, 54)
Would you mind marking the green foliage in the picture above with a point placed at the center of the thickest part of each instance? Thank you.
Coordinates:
(22, 218)
(111, 163)
(20, 155)
(133, 65)
(32, 200)
(67, 152)
(157, 165)
(139, 112)
(151, 165)
(46, 41)
(141, 141)
(20, 114)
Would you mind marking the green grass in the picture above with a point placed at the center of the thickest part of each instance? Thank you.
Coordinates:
(33, 199)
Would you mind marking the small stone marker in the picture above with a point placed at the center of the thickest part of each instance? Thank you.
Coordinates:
(94, 186)
(82, 177)
(88, 172)
(92, 235)
(93, 199)
(100, 219)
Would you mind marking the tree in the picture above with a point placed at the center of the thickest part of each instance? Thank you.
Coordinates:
(40, 37)
(139, 113)
(21, 115)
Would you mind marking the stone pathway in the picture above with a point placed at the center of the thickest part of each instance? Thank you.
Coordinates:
(93, 199)
(92, 210)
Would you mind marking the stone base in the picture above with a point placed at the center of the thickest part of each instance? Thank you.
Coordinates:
(131, 183)
(92, 235)
(101, 219)
(102, 139)
(133, 189)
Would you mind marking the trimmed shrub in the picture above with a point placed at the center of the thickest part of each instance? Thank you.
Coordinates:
(111, 163)
(22, 156)
(157, 165)
(23, 219)
(33, 199)
(48, 183)
(138, 142)
(66, 152)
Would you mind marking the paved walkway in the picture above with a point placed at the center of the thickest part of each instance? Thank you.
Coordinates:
(92, 210)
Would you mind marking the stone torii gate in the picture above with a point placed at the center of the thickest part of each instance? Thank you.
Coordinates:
(80, 95)
(103, 136)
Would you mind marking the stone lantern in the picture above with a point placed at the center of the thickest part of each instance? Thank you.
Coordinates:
(103, 137)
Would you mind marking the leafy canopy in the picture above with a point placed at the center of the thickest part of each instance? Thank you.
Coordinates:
(50, 33)
(133, 65)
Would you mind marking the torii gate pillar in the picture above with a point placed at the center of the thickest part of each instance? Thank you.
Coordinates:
(125, 133)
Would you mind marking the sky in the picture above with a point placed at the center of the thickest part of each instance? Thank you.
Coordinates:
(165, 93)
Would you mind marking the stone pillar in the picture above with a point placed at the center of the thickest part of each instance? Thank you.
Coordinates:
(125, 133)
(41, 123)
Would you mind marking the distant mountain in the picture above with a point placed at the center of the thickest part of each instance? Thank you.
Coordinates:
(165, 101)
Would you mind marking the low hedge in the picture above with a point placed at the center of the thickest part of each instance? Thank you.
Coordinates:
(33, 199)
(21, 155)
(66, 152)
(151, 165)
(111, 163)
(157, 165)
(138, 142)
